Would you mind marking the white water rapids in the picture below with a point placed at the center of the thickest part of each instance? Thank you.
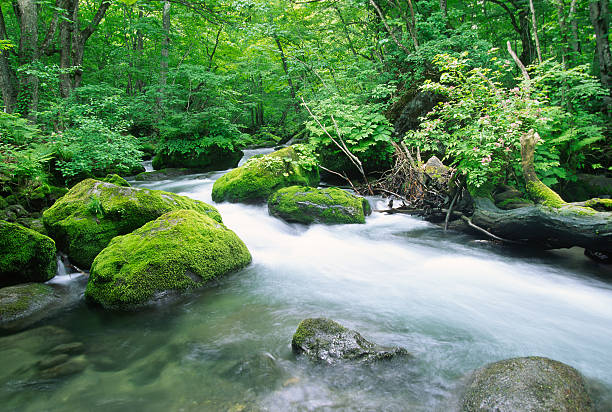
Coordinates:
(453, 302)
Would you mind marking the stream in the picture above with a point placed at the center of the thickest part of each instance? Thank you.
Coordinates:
(454, 302)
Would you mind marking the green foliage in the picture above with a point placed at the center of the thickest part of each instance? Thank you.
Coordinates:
(95, 207)
(92, 149)
(23, 154)
(363, 128)
(480, 124)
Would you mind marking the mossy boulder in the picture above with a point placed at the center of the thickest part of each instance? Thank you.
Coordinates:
(22, 305)
(261, 176)
(116, 180)
(324, 340)
(163, 174)
(25, 255)
(304, 204)
(180, 250)
(212, 158)
(586, 187)
(534, 384)
(44, 196)
(85, 220)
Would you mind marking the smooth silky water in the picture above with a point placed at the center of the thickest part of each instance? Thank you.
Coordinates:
(453, 302)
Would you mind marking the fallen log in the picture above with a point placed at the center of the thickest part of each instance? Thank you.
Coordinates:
(547, 227)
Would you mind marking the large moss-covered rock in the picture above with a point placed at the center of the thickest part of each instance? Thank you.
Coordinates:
(25, 255)
(261, 176)
(305, 204)
(93, 212)
(22, 305)
(163, 174)
(327, 341)
(533, 384)
(212, 158)
(180, 250)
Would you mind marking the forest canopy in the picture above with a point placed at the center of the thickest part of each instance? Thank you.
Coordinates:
(89, 87)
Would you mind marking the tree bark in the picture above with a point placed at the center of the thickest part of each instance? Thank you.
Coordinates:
(72, 43)
(286, 69)
(28, 53)
(163, 74)
(535, 31)
(600, 17)
(576, 47)
(546, 227)
(8, 78)
(443, 9)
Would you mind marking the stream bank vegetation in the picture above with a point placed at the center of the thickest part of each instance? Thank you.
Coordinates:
(513, 96)
(490, 116)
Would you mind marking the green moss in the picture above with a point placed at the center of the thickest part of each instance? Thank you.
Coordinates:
(261, 176)
(604, 205)
(25, 255)
(541, 193)
(116, 180)
(213, 158)
(513, 201)
(83, 231)
(21, 300)
(178, 251)
(305, 204)
(309, 328)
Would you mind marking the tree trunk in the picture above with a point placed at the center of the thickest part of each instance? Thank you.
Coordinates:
(8, 78)
(545, 227)
(286, 69)
(28, 53)
(526, 41)
(535, 31)
(574, 22)
(163, 75)
(538, 191)
(72, 43)
(600, 17)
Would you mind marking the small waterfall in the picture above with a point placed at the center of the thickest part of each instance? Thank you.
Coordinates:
(61, 267)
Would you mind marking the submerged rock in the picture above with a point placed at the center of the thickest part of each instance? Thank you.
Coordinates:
(37, 340)
(25, 255)
(533, 384)
(260, 371)
(85, 220)
(326, 340)
(261, 176)
(305, 204)
(23, 305)
(212, 158)
(180, 250)
(62, 366)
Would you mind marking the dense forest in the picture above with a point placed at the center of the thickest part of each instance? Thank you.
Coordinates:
(90, 87)
(185, 182)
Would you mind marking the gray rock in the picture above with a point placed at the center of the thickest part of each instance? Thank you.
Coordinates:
(52, 361)
(327, 341)
(71, 348)
(37, 340)
(23, 305)
(260, 371)
(533, 384)
(70, 367)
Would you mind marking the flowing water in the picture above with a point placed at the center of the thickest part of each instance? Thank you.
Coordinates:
(453, 302)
